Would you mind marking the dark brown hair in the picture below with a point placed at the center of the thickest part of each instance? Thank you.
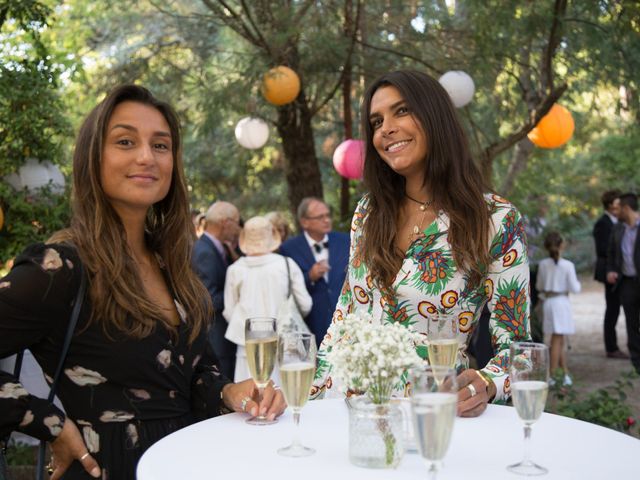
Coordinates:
(116, 291)
(608, 198)
(553, 242)
(449, 172)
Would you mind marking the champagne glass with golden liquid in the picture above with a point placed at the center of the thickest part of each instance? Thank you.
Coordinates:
(442, 339)
(297, 363)
(261, 345)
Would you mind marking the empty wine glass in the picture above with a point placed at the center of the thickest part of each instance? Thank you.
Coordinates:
(297, 363)
(433, 406)
(261, 344)
(529, 376)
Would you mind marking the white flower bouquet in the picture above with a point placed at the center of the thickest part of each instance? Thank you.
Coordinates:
(371, 357)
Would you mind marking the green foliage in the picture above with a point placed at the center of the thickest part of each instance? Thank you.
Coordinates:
(21, 454)
(32, 123)
(30, 218)
(606, 406)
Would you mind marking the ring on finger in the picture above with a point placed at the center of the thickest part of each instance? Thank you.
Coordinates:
(472, 390)
(244, 402)
(84, 456)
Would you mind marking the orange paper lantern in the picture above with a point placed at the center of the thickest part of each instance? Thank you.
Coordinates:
(554, 130)
(280, 85)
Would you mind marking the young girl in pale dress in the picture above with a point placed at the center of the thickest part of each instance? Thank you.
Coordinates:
(556, 279)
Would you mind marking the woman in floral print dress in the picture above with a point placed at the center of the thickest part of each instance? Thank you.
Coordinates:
(139, 366)
(428, 239)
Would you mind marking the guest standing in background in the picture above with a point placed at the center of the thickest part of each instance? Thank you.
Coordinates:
(601, 235)
(623, 268)
(210, 261)
(556, 279)
(322, 255)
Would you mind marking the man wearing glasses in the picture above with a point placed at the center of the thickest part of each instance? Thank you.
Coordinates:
(322, 255)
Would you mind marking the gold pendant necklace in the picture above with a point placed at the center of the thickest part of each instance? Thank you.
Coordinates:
(423, 208)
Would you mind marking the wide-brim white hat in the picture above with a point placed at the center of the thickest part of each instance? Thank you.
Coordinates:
(258, 237)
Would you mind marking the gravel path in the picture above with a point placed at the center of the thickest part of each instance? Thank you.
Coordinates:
(589, 366)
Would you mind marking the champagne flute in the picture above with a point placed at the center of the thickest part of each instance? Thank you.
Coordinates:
(260, 343)
(297, 362)
(433, 409)
(442, 339)
(529, 376)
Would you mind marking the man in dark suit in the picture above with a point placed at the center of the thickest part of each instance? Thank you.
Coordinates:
(623, 268)
(323, 256)
(210, 261)
(601, 234)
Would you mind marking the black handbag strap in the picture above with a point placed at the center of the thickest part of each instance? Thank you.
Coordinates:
(73, 321)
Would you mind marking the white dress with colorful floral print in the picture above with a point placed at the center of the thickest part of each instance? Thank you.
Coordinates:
(429, 281)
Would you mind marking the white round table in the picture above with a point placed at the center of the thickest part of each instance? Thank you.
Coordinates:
(227, 448)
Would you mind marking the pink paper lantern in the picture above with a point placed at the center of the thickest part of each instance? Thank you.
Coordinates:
(348, 159)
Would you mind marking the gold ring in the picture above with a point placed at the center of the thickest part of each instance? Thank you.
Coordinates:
(84, 456)
(472, 390)
(245, 400)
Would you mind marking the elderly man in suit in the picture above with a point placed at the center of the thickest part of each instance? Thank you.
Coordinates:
(210, 261)
(601, 234)
(322, 255)
(623, 268)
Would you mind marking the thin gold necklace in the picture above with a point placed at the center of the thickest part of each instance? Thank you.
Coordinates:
(417, 228)
(423, 205)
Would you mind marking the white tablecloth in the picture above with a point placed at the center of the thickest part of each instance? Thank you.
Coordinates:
(227, 448)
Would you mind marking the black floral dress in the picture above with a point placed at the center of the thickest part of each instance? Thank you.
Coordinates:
(124, 394)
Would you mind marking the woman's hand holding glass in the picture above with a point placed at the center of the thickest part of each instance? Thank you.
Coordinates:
(297, 362)
(244, 397)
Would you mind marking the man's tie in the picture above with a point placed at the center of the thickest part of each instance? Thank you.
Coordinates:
(320, 245)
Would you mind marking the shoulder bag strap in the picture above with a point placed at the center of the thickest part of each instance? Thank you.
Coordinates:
(286, 262)
(73, 321)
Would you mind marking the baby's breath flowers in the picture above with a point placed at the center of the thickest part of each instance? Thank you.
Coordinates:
(371, 357)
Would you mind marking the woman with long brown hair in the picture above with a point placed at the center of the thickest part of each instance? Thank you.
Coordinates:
(139, 366)
(427, 238)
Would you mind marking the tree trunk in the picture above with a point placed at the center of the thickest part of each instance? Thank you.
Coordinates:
(301, 164)
(345, 209)
(521, 155)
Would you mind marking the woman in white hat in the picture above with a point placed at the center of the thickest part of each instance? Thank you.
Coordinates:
(258, 284)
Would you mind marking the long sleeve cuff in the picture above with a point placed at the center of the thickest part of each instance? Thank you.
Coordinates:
(41, 419)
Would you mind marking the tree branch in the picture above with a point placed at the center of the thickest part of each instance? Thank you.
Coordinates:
(316, 108)
(555, 35)
(402, 55)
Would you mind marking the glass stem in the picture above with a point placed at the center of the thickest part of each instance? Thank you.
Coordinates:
(433, 471)
(296, 429)
(527, 444)
(260, 393)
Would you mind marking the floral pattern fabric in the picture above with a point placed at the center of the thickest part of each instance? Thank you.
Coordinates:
(429, 282)
(124, 394)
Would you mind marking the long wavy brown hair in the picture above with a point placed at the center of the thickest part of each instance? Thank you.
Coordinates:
(116, 289)
(450, 174)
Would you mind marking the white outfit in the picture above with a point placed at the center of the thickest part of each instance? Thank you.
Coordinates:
(256, 286)
(559, 279)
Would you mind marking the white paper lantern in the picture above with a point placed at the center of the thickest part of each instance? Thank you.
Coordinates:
(459, 86)
(252, 132)
(34, 175)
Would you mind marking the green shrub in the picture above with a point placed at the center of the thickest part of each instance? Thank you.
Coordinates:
(606, 406)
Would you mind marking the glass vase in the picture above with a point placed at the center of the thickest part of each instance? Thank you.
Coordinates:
(376, 433)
